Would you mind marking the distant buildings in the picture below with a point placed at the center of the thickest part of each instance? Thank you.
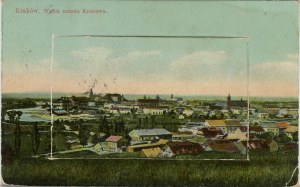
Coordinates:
(148, 103)
(226, 126)
(235, 103)
(150, 134)
(177, 148)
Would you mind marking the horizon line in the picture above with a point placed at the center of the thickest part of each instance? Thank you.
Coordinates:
(181, 94)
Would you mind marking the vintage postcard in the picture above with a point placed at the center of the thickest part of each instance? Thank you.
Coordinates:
(150, 93)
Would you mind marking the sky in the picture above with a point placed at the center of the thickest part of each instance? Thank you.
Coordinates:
(206, 66)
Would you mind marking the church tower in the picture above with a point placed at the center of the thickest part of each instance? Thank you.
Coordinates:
(228, 102)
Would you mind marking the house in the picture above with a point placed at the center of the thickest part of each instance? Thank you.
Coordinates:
(182, 136)
(114, 98)
(148, 103)
(150, 134)
(271, 128)
(241, 147)
(139, 147)
(273, 111)
(99, 147)
(256, 130)
(293, 112)
(220, 124)
(229, 125)
(156, 111)
(59, 112)
(190, 128)
(237, 136)
(290, 131)
(115, 144)
(199, 139)
(222, 146)
(177, 148)
(262, 115)
(151, 152)
(281, 126)
(270, 145)
(212, 132)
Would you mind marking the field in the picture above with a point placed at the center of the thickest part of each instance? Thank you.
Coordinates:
(264, 169)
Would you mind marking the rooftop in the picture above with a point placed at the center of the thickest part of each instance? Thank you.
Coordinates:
(113, 138)
(152, 132)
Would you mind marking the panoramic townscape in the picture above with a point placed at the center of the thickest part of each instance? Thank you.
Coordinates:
(92, 125)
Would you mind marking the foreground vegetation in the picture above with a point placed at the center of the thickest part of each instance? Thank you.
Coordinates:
(264, 169)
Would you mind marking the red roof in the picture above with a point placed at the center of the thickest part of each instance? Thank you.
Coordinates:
(256, 129)
(185, 147)
(113, 138)
(223, 146)
(211, 132)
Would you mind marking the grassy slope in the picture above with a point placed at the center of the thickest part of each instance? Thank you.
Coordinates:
(264, 169)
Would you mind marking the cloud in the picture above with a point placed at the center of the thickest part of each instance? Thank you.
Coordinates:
(141, 54)
(91, 55)
(283, 71)
(201, 58)
(198, 65)
(277, 78)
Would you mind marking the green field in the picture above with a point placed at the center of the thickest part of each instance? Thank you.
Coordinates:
(264, 169)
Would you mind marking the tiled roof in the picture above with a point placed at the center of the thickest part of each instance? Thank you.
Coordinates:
(256, 129)
(291, 129)
(224, 146)
(211, 132)
(239, 136)
(257, 144)
(232, 122)
(216, 122)
(185, 147)
(152, 132)
(282, 125)
(229, 122)
(113, 138)
(152, 152)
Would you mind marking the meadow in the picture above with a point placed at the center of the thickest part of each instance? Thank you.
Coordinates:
(264, 169)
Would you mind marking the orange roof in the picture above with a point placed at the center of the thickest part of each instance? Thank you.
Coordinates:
(282, 125)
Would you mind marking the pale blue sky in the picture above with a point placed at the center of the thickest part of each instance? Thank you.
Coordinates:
(272, 28)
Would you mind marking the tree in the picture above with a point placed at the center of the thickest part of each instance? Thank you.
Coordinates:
(122, 126)
(14, 118)
(35, 138)
(139, 123)
(295, 136)
(103, 126)
(116, 125)
(47, 147)
(267, 135)
(282, 138)
(83, 134)
(152, 121)
(146, 122)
